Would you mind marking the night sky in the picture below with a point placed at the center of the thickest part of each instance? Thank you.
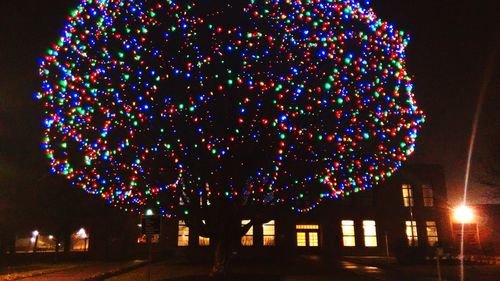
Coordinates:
(452, 57)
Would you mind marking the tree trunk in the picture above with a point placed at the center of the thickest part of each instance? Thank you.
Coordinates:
(227, 228)
(221, 222)
(222, 260)
(229, 233)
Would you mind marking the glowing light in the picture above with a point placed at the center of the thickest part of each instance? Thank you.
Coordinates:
(463, 214)
(281, 101)
(82, 234)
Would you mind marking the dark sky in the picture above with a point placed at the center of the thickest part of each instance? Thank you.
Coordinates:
(452, 57)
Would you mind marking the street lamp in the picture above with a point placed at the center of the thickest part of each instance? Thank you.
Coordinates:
(463, 214)
(149, 212)
(82, 234)
(34, 239)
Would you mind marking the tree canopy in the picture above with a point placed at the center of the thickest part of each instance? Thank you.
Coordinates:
(156, 104)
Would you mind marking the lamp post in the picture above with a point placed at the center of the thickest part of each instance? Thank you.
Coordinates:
(149, 213)
(34, 239)
(51, 239)
(464, 215)
(82, 234)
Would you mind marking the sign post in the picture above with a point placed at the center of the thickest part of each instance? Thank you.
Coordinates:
(439, 254)
(151, 225)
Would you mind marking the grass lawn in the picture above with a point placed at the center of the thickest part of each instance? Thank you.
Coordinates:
(177, 271)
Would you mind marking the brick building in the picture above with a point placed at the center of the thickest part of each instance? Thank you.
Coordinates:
(481, 235)
(408, 214)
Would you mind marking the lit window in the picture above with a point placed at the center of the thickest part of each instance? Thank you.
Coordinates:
(143, 239)
(307, 235)
(203, 241)
(307, 226)
(370, 232)
(432, 234)
(268, 233)
(428, 195)
(247, 239)
(411, 233)
(79, 241)
(313, 239)
(46, 243)
(348, 237)
(301, 239)
(183, 234)
(407, 195)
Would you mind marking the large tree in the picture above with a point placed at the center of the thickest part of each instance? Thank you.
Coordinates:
(166, 104)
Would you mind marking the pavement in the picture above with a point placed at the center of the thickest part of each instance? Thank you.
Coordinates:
(90, 271)
(308, 268)
(391, 271)
(369, 271)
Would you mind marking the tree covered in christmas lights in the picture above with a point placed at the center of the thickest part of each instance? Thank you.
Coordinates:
(209, 107)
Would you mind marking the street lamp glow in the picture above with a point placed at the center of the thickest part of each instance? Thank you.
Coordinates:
(82, 234)
(35, 233)
(463, 214)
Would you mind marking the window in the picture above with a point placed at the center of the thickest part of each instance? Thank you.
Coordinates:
(428, 195)
(79, 241)
(308, 226)
(203, 241)
(183, 234)
(143, 239)
(348, 237)
(47, 243)
(247, 239)
(370, 233)
(307, 235)
(432, 234)
(301, 239)
(313, 239)
(407, 195)
(411, 233)
(470, 233)
(268, 233)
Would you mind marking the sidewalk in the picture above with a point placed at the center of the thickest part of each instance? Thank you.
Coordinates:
(88, 271)
(383, 270)
(24, 271)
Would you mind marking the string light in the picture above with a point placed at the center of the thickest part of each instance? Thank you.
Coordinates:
(284, 102)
